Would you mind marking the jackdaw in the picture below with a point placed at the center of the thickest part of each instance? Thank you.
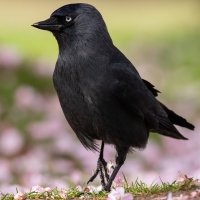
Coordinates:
(101, 93)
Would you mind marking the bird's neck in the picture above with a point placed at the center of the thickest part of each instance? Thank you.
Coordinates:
(85, 44)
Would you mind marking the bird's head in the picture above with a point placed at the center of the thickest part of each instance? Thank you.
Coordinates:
(75, 22)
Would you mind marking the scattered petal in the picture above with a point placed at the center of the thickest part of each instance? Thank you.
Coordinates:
(38, 189)
(194, 194)
(81, 197)
(19, 196)
(182, 178)
(62, 193)
(89, 188)
(119, 181)
(48, 189)
(118, 194)
(110, 166)
(98, 189)
(197, 182)
(79, 188)
(93, 189)
(182, 197)
(169, 196)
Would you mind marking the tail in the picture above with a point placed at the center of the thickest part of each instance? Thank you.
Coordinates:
(166, 128)
(166, 124)
(176, 119)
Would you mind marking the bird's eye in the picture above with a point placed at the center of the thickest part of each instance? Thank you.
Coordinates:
(68, 19)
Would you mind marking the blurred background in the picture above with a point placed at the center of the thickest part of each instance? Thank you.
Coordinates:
(37, 146)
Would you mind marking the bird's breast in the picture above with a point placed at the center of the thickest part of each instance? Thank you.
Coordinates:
(78, 98)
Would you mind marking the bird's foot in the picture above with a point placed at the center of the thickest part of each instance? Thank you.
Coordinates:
(102, 170)
(107, 187)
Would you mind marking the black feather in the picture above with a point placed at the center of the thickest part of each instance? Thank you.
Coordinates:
(173, 117)
(176, 119)
(100, 91)
(151, 88)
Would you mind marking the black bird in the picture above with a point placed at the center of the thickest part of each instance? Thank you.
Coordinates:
(101, 93)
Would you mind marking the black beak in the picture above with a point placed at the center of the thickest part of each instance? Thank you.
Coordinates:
(50, 24)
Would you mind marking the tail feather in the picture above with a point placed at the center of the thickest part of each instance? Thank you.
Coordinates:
(176, 119)
(166, 125)
(168, 129)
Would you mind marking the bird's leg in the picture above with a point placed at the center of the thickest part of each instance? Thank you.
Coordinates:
(101, 168)
(104, 163)
(120, 158)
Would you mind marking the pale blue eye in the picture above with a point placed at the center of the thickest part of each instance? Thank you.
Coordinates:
(68, 19)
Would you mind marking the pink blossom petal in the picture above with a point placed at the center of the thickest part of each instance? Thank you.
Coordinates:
(119, 181)
(197, 182)
(120, 190)
(182, 197)
(110, 166)
(19, 196)
(182, 178)
(89, 188)
(127, 196)
(169, 196)
(48, 189)
(62, 193)
(194, 194)
(118, 193)
(112, 196)
(38, 189)
(79, 188)
(93, 189)
(98, 189)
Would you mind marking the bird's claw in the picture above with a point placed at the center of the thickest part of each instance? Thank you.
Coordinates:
(102, 171)
(106, 188)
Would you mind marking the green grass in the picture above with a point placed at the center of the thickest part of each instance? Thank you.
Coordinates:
(141, 189)
(138, 189)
